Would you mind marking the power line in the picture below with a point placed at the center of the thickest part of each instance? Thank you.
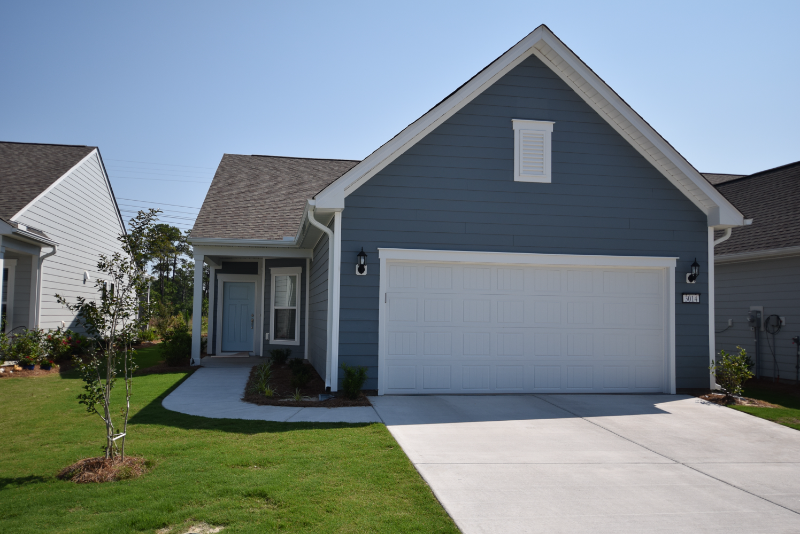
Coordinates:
(112, 170)
(159, 180)
(164, 216)
(167, 164)
(148, 169)
(161, 203)
(163, 210)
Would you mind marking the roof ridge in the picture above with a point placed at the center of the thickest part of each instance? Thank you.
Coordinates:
(294, 157)
(759, 173)
(44, 144)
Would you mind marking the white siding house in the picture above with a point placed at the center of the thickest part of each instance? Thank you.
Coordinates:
(58, 215)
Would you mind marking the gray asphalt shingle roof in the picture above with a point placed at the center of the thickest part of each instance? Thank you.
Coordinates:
(718, 178)
(772, 199)
(263, 197)
(27, 169)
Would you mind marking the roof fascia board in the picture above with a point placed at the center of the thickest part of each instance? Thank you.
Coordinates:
(252, 252)
(726, 214)
(723, 213)
(754, 255)
(222, 241)
(111, 192)
(332, 197)
(52, 186)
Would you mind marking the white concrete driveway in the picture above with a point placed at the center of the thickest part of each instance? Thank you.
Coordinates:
(600, 464)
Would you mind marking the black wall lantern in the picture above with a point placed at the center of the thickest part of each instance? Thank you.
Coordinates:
(361, 265)
(691, 277)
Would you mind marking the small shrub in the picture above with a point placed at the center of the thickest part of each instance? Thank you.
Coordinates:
(354, 378)
(731, 371)
(279, 356)
(27, 348)
(148, 335)
(58, 344)
(300, 374)
(263, 373)
(177, 346)
(297, 396)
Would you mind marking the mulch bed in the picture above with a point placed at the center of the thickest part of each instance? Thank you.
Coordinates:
(101, 469)
(281, 383)
(719, 398)
(18, 372)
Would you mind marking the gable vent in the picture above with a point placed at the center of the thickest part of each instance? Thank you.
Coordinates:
(532, 152)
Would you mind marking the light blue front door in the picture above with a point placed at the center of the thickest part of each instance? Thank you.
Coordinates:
(238, 321)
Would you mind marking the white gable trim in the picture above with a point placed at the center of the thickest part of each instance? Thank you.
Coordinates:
(547, 47)
(52, 186)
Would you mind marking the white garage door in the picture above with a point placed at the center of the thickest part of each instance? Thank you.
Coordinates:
(491, 328)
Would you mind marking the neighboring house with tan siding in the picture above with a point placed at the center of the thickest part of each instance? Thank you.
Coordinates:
(58, 214)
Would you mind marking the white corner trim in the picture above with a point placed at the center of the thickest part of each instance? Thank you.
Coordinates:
(308, 302)
(564, 63)
(54, 185)
(222, 278)
(277, 271)
(337, 291)
(670, 298)
(665, 264)
(525, 258)
(712, 313)
(383, 372)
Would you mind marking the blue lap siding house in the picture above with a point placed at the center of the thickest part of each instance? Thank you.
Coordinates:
(529, 233)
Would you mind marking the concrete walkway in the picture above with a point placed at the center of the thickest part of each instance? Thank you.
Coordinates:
(600, 463)
(216, 392)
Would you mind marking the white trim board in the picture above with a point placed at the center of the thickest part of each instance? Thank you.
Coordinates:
(259, 317)
(666, 264)
(525, 258)
(546, 46)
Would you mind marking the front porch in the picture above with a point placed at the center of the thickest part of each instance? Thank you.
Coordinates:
(258, 301)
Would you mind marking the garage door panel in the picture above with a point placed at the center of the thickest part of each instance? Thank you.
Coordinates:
(485, 328)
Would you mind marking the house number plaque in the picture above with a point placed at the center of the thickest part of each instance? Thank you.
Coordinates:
(691, 298)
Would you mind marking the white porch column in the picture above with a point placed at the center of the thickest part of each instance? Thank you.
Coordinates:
(197, 308)
(211, 325)
(2, 265)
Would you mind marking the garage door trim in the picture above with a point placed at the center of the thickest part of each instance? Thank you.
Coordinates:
(529, 259)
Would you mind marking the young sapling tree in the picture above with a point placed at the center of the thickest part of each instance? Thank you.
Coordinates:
(113, 323)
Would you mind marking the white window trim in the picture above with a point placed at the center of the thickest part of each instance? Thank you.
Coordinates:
(279, 271)
(546, 127)
(667, 264)
(11, 265)
(221, 279)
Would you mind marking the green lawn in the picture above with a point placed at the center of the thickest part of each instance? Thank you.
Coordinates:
(249, 476)
(789, 412)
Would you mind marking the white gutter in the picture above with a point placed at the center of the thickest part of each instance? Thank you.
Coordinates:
(725, 237)
(39, 285)
(329, 339)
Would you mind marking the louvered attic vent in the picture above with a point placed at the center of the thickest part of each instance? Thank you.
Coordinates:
(532, 152)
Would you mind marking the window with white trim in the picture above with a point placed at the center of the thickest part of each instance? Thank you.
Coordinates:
(532, 150)
(285, 305)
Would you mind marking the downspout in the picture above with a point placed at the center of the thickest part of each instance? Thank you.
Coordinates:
(712, 312)
(39, 285)
(725, 236)
(329, 334)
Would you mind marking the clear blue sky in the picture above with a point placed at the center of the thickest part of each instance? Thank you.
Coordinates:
(165, 88)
